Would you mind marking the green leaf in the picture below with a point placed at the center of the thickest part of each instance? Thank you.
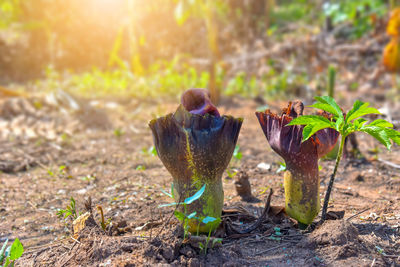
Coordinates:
(378, 133)
(282, 167)
(339, 124)
(72, 203)
(394, 135)
(181, 12)
(195, 196)
(7, 263)
(360, 109)
(191, 215)
(208, 219)
(170, 204)
(172, 190)
(327, 100)
(311, 129)
(67, 213)
(310, 119)
(166, 193)
(216, 240)
(2, 250)
(179, 215)
(237, 154)
(313, 124)
(358, 123)
(16, 250)
(381, 123)
(325, 107)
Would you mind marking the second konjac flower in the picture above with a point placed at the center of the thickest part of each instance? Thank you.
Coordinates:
(301, 180)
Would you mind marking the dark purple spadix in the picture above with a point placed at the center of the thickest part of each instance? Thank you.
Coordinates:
(197, 101)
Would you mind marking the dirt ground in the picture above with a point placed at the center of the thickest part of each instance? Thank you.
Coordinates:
(52, 150)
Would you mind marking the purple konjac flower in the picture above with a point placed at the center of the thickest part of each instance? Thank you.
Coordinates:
(301, 158)
(196, 144)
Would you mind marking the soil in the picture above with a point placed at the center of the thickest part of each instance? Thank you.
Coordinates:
(51, 152)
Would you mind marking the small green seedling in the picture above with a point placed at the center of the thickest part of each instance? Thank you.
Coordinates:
(61, 172)
(140, 168)
(237, 154)
(204, 246)
(231, 172)
(151, 151)
(119, 132)
(70, 211)
(183, 216)
(345, 124)
(282, 167)
(103, 223)
(8, 255)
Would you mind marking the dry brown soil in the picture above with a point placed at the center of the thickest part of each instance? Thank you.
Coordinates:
(37, 137)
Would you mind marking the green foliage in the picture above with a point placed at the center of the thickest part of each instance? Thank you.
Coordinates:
(237, 154)
(282, 167)
(62, 172)
(9, 255)
(204, 246)
(185, 9)
(380, 129)
(119, 132)
(151, 151)
(231, 173)
(183, 216)
(140, 168)
(69, 211)
(353, 122)
(293, 11)
(273, 83)
(357, 12)
(9, 12)
(161, 79)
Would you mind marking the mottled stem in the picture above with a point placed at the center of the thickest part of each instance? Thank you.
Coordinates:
(301, 183)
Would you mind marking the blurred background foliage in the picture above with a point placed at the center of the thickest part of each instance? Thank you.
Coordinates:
(161, 47)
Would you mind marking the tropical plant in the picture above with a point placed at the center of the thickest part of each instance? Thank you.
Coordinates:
(8, 255)
(69, 211)
(345, 124)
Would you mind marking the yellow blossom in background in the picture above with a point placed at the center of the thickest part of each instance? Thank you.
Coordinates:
(391, 55)
(393, 27)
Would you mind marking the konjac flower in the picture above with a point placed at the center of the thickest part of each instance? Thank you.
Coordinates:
(301, 179)
(196, 144)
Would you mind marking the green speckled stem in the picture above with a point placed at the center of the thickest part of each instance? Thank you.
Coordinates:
(209, 204)
(302, 192)
(212, 200)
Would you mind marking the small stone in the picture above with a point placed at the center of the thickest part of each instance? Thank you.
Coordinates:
(264, 166)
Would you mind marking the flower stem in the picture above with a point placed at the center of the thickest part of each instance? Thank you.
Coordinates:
(328, 191)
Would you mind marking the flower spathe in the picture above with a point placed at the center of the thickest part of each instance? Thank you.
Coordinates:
(196, 149)
(301, 180)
